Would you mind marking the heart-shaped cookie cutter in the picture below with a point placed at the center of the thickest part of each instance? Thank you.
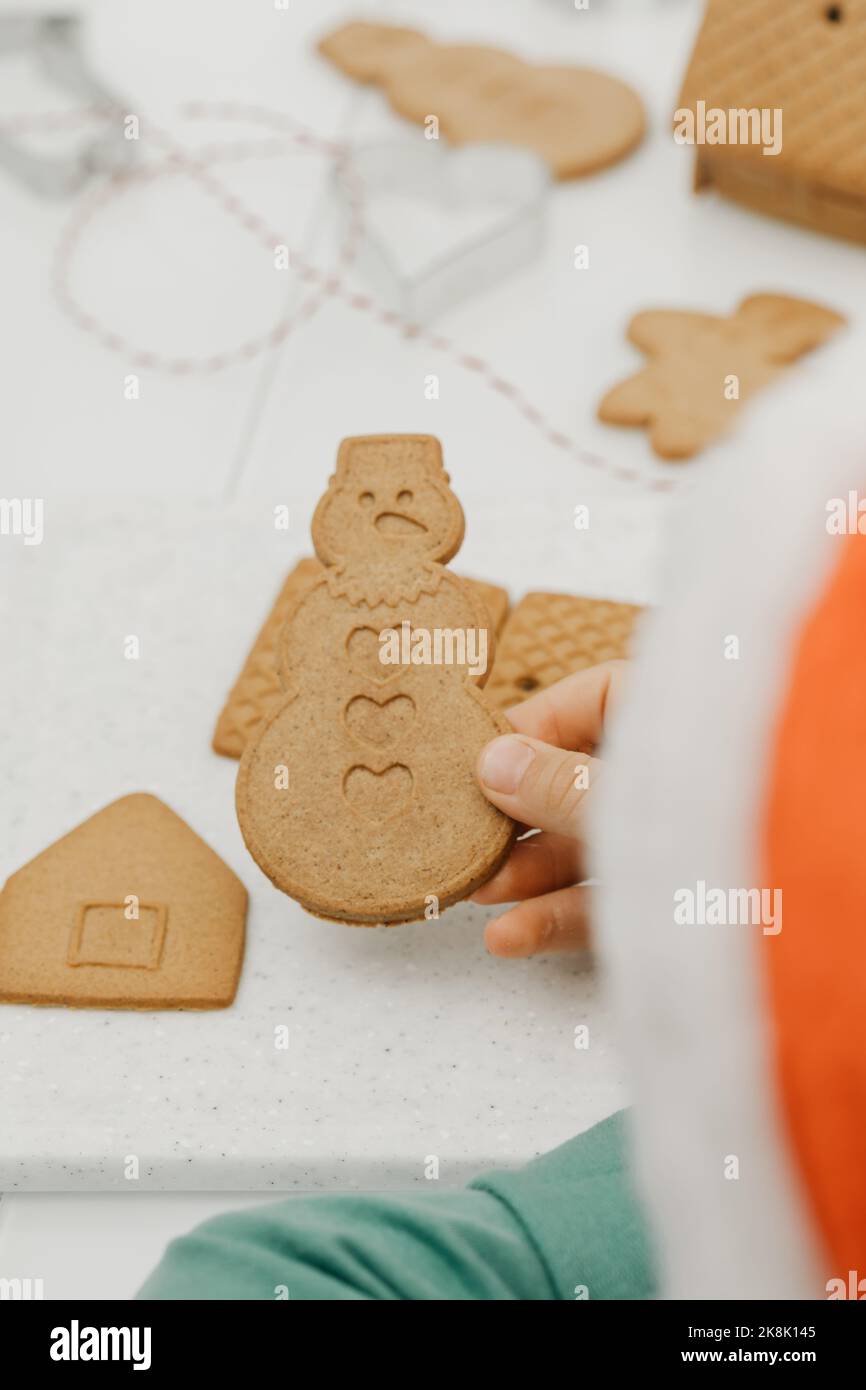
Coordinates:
(54, 43)
(498, 177)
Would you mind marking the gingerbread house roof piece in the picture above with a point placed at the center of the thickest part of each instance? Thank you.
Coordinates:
(130, 910)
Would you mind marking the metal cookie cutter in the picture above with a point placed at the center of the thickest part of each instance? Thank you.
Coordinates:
(499, 186)
(54, 42)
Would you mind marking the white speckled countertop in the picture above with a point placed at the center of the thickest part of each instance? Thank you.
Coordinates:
(403, 1043)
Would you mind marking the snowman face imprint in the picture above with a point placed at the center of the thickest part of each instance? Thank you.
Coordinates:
(379, 723)
(406, 512)
(378, 796)
(393, 523)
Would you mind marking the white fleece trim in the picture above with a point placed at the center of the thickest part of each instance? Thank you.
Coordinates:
(748, 554)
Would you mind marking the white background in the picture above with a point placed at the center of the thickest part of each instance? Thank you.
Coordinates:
(159, 521)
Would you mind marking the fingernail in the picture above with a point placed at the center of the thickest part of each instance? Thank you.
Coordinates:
(503, 763)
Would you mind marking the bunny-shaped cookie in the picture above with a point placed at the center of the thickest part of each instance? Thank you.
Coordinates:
(358, 797)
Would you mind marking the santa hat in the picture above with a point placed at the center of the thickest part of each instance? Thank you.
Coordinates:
(732, 850)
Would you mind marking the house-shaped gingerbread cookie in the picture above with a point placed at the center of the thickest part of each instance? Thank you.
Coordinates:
(774, 105)
(131, 910)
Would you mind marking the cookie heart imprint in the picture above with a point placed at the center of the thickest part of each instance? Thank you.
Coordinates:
(362, 645)
(379, 723)
(358, 796)
(378, 795)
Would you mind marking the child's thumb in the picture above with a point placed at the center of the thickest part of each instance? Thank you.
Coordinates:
(534, 783)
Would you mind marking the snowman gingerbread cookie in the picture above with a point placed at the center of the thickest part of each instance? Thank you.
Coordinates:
(358, 796)
(578, 120)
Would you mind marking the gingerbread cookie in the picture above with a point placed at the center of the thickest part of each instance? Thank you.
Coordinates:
(131, 910)
(577, 119)
(549, 636)
(771, 106)
(358, 795)
(702, 366)
(257, 688)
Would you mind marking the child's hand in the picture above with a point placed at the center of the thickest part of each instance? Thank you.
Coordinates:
(541, 775)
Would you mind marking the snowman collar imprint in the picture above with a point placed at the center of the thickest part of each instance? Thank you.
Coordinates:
(390, 583)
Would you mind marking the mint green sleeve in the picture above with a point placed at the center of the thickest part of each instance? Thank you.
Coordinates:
(565, 1226)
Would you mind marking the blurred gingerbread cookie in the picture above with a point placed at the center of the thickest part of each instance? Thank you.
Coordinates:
(577, 119)
(702, 366)
(771, 107)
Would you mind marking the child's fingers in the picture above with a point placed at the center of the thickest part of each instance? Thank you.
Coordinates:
(537, 865)
(555, 922)
(544, 786)
(571, 713)
(536, 784)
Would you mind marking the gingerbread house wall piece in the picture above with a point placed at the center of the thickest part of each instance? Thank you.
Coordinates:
(804, 59)
(130, 910)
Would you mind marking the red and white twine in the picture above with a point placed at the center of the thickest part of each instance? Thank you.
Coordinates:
(285, 132)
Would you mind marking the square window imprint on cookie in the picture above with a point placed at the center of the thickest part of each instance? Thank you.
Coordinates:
(104, 935)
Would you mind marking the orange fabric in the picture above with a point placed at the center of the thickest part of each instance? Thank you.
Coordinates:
(815, 851)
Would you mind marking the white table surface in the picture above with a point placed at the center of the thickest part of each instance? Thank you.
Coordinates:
(158, 521)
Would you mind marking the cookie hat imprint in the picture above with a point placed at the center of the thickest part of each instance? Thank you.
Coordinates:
(577, 119)
(358, 794)
(130, 910)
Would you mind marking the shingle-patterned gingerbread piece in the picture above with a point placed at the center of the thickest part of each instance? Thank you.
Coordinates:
(549, 636)
(258, 687)
(806, 59)
(130, 910)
